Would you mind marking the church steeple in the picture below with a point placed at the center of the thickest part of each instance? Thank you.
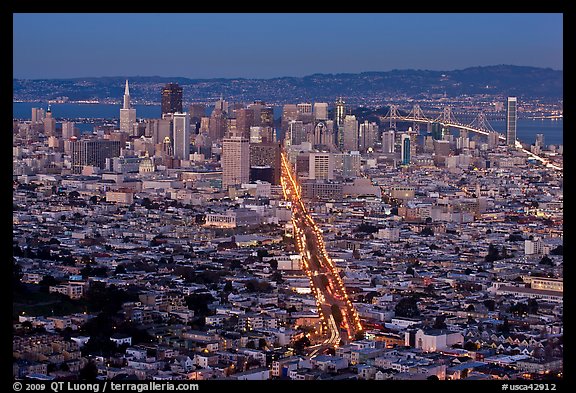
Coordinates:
(126, 97)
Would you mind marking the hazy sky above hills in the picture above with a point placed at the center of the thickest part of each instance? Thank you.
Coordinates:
(273, 45)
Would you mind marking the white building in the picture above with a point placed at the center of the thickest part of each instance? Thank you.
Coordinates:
(181, 135)
(321, 166)
(235, 161)
(127, 113)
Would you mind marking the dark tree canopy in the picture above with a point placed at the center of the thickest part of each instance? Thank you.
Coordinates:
(407, 307)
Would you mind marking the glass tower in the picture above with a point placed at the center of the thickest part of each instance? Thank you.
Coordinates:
(511, 117)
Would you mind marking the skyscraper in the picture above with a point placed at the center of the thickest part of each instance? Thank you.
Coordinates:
(171, 98)
(235, 161)
(289, 113)
(388, 141)
(340, 112)
(511, 117)
(350, 136)
(38, 115)
(92, 152)
(367, 135)
(127, 113)
(244, 120)
(320, 111)
(405, 149)
(181, 135)
(217, 125)
(68, 130)
(266, 155)
(49, 123)
(321, 166)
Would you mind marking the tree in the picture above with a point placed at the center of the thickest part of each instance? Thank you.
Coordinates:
(16, 275)
(407, 307)
(120, 269)
(301, 343)
(493, 253)
(273, 264)
(532, 306)
(73, 195)
(546, 261)
(439, 322)
(505, 327)
(490, 304)
(559, 250)
(366, 228)
(48, 281)
(199, 302)
(262, 343)
(519, 308)
(427, 231)
(89, 372)
(410, 270)
(254, 285)
(470, 346)
(228, 286)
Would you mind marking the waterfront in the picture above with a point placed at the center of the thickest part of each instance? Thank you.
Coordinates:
(527, 129)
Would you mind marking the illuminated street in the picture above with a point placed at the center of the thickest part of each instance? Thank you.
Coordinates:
(339, 318)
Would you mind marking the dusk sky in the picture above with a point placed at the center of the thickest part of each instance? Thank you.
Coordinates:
(273, 45)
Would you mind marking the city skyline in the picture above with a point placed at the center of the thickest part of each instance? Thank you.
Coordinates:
(233, 45)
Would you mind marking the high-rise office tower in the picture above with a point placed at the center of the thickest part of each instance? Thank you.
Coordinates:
(172, 98)
(244, 120)
(367, 135)
(340, 112)
(540, 140)
(68, 130)
(267, 116)
(511, 117)
(289, 113)
(221, 104)
(181, 135)
(296, 133)
(339, 115)
(38, 115)
(127, 113)
(217, 126)
(157, 129)
(266, 155)
(49, 123)
(305, 112)
(320, 111)
(350, 136)
(437, 131)
(388, 141)
(92, 152)
(197, 111)
(321, 166)
(235, 161)
(405, 149)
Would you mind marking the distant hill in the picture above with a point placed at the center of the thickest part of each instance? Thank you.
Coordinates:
(524, 82)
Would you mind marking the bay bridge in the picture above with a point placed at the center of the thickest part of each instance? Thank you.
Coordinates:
(480, 125)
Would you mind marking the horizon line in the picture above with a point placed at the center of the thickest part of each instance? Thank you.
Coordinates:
(285, 76)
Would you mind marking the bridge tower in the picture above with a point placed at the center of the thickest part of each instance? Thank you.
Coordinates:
(417, 114)
(393, 113)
